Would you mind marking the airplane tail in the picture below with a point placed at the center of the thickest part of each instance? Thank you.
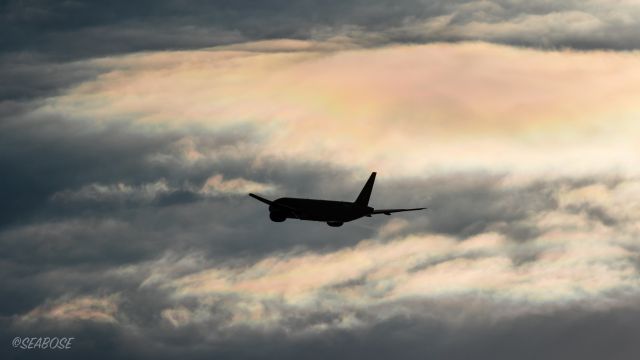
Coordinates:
(365, 193)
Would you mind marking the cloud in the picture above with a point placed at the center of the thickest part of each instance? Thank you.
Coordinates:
(115, 192)
(568, 267)
(473, 291)
(157, 192)
(84, 308)
(80, 29)
(524, 107)
(301, 293)
(216, 184)
(125, 218)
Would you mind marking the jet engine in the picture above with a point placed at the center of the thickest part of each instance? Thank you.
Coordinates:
(277, 216)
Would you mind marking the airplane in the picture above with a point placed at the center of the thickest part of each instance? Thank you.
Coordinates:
(334, 213)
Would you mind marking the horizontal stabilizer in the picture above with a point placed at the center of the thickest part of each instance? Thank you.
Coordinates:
(389, 211)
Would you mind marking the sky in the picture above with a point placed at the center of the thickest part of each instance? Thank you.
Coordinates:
(131, 133)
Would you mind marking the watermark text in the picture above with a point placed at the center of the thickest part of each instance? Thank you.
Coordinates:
(44, 343)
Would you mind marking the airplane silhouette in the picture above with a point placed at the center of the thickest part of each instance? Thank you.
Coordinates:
(334, 213)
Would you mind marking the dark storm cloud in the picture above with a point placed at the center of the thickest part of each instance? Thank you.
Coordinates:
(71, 29)
(27, 75)
(48, 155)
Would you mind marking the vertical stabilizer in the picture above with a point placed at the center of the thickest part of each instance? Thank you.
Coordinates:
(365, 194)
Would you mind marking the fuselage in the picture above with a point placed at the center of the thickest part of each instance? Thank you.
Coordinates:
(318, 210)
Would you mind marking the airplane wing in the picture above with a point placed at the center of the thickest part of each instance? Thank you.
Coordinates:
(389, 211)
(268, 202)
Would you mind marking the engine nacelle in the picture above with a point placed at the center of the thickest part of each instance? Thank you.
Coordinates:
(277, 217)
(334, 223)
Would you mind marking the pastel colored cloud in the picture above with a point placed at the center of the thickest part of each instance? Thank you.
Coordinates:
(402, 110)
(89, 308)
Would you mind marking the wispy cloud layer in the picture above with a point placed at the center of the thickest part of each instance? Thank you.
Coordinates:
(82, 28)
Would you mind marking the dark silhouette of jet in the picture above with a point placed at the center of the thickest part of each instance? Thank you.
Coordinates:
(334, 213)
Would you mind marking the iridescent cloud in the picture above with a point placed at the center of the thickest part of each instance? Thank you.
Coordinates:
(407, 110)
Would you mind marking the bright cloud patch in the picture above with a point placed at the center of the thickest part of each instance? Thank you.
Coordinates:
(100, 309)
(401, 110)
(216, 184)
